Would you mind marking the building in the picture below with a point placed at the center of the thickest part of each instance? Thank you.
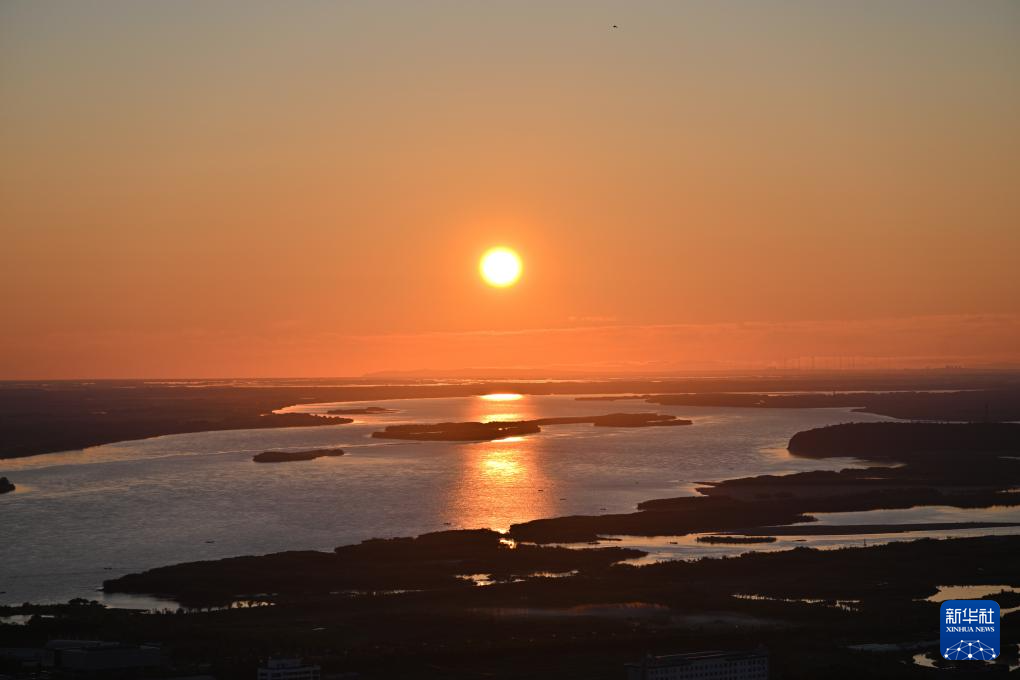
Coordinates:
(288, 669)
(22, 658)
(98, 659)
(87, 659)
(739, 665)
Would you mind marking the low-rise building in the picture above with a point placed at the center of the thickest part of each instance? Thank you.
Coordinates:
(100, 659)
(714, 665)
(288, 669)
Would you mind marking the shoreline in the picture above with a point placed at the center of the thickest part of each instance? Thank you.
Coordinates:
(69, 416)
(724, 509)
(459, 601)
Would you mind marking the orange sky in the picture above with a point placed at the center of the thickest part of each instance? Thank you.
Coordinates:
(304, 188)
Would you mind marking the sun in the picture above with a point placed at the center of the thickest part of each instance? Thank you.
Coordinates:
(500, 267)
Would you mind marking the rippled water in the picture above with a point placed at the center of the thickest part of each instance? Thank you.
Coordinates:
(80, 517)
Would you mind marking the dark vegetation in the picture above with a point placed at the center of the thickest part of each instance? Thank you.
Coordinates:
(457, 432)
(567, 626)
(902, 442)
(682, 516)
(729, 539)
(500, 430)
(6, 485)
(289, 456)
(436, 560)
(40, 417)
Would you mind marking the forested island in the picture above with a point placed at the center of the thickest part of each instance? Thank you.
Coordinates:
(363, 411)
(291, 456)
(456, 432)
(474, 431)
(735, 540)
(6, 485)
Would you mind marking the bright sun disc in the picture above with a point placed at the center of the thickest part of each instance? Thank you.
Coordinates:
(500, 267)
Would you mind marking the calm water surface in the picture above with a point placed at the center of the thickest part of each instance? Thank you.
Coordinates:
(83, 516)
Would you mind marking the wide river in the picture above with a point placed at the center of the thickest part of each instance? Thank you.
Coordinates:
(80, 517)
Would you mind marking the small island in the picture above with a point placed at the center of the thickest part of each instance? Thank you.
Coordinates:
(638, 420)
(458, 432)
(474, 431)
(735, 540)
(364, 411)
(6, 485)
(291, 456)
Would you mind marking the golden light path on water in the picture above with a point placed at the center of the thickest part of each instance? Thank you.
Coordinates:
(486, 416)
(502, 481)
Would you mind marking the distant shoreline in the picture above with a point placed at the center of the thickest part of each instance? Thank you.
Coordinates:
(49, 417)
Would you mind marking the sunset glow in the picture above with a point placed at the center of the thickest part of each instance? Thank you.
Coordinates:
(415, 324)
(636, 214)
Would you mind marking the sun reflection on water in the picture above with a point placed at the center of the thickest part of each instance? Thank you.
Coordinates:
(522, 409)
(502, 464)
(502, 483)
(502, 396)
(506, 417)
